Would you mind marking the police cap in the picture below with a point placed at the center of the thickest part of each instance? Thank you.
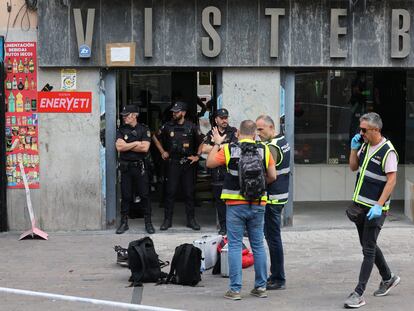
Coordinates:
(129, 109)
(222, 112)
(179, 106)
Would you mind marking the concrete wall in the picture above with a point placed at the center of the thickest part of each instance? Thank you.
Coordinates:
(4, 17)
(247, 93)
(69, 197)
(336, 183)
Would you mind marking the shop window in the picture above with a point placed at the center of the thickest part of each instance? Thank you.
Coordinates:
(329, 103)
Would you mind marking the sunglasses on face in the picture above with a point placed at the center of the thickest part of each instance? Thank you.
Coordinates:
(223, 118)
(364, 130)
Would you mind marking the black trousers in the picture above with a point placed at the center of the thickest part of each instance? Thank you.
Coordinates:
(220, 205)
(184, 175)
(368, 231)
(135, 182)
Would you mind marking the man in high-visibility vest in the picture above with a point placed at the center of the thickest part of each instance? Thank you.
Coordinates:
(376, 160)
(277, 197)
(242, 213)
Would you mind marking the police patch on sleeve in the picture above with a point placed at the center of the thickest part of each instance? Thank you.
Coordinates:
(148, 134)
(125, 137)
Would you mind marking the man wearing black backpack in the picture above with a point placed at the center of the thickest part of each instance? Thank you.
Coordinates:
(277, 197)
(249, 166)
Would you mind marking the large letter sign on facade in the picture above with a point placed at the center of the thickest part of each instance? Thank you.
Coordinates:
(84, 40)
(214, 36)
(397, 33)
(274, 29)
(336, 30)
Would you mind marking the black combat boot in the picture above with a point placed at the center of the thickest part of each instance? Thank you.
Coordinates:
(123, 226)
(166, 224)
(192, 223)
(148, 225)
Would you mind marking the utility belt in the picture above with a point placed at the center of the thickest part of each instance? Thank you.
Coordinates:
(180, 160)
(125, 165)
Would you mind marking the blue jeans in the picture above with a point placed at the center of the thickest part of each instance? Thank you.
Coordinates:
(251, 217)
(274, 242)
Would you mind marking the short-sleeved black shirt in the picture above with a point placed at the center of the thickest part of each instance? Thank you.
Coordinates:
(230, 138)
(130, 134)
(180, 140)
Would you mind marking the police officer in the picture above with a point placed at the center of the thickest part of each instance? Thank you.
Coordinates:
(222, 123)
(132, 142)
(179, 142)
(278, 193)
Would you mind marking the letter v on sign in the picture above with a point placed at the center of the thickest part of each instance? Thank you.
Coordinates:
(84, 41)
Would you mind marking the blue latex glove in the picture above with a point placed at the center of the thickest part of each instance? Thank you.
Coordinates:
(355, 144)
(374, 212)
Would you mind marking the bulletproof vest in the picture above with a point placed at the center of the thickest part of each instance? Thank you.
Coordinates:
(180, 140)
(130, 135)
(371, 178)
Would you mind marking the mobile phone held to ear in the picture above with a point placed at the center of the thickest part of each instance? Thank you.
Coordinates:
(361, 140)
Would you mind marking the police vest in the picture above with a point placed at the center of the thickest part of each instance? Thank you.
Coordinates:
(180, 139)
(371, 178)
(232, 152)
(278, 191)
(130, 135)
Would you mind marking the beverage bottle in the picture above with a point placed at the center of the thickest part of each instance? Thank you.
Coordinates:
(27, 105)
(25, 66)
(12, 105)
(34, 106)
(14, 83)
(20, 67)
(14, 70)
(26, 83)
(31, 65)
(20, 86)
(19, 102)
(32, 85)
(8, 85)
(9, 66)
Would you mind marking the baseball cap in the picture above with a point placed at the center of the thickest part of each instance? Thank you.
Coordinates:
(179, 106)
(129, 109)
(222, 112)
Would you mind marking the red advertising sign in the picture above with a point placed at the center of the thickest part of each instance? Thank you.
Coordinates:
(21, 114)
(65, 102)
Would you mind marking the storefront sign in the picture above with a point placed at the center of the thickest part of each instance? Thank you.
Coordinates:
(21, 114)
(65, 102)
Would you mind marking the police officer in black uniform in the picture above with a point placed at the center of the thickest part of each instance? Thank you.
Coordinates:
(222, 123)
(179, 142)
(132, 142)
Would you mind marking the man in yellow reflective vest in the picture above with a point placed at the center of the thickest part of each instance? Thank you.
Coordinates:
(376, 160)
(243, 213)
(277, 197)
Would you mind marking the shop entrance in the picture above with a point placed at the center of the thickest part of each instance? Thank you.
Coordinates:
(154, 92)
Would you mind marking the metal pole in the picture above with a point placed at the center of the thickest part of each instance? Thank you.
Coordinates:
(289, 85)
(3, 178)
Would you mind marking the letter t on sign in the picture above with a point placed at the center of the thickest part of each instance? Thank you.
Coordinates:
(274, 29)
(336, 30)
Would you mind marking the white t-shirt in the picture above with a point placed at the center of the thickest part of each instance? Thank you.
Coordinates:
(391, 163)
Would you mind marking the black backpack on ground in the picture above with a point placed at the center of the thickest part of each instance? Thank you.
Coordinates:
(185, 265)
(251, 173)
(144, 263)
